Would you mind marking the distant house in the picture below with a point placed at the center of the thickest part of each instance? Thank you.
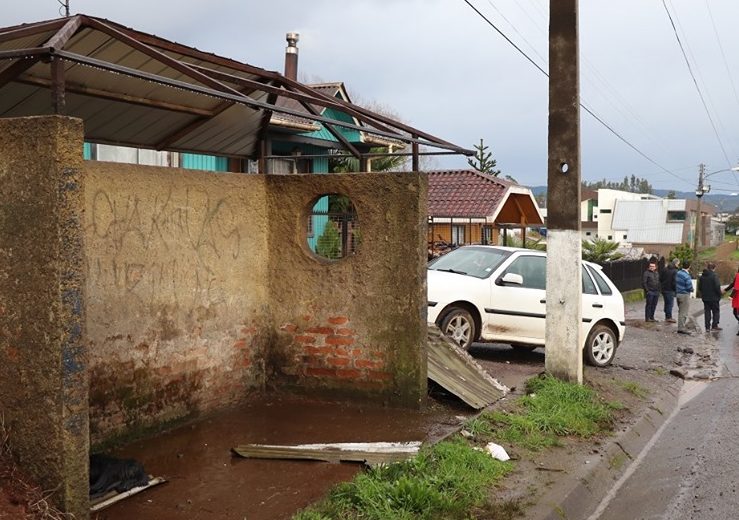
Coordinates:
(645, 221)
(469, 207)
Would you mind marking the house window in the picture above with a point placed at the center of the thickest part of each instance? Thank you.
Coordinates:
(458, 235)
(610, 237)
(605, 210)
(624, 237)
(587, 233)
(675, 216)
(487, 234)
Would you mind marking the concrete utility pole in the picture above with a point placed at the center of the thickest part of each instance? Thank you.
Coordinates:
(564, 246)
(701, 190)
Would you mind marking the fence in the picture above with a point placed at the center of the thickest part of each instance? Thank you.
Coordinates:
(626, 274)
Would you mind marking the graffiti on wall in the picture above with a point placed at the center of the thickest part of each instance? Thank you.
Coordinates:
(174, 247)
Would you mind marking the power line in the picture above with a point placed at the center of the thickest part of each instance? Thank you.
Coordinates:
(695, 82)
(584, 107)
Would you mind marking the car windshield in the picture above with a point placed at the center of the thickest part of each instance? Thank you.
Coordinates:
(479, 262)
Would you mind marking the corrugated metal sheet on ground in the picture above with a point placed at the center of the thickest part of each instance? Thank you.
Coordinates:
(457, 372)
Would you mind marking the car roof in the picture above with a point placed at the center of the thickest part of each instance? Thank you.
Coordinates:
(523, 250)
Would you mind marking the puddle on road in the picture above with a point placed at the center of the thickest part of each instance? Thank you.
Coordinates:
(206, 482)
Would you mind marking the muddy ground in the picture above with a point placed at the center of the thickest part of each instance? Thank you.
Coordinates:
(207, 482)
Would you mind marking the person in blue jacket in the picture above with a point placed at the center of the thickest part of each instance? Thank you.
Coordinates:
(683, 290)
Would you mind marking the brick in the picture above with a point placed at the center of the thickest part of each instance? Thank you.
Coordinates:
(289, 327)
(320, 330)
(339, 340)
(340, 351)
(320, 372)
(338, 320)
(317, 350)
(379, 376)
(368, 363)
(306, 317)
(305, 339)
(338, 361)
(348, 373)
(240, 344)
(357, 352)
(345, 332)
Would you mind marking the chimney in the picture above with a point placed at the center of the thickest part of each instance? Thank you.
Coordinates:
(291, 56)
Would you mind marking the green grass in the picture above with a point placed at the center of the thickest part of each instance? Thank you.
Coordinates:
(452, 480)
(734, 255)
(636, 295)
(446, 480)
(707, 254)
(552, 409)
(635, 389)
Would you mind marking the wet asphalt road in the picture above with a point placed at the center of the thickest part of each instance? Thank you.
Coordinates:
(690, 470)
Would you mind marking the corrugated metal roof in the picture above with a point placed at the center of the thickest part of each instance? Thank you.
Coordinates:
(645, 221)
(140, 90)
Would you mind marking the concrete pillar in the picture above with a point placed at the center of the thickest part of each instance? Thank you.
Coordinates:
(564, 247)
(43, 371)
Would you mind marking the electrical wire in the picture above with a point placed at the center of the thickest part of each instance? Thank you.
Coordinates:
(695, 82)
(584, 107)
(63, 7)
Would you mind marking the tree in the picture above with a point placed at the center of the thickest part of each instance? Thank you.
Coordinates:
(671, 195)
(600, 250)
(329, 243)
(683, 252)
(483, 161)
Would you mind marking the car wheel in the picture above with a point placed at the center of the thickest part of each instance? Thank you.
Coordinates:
(459, 326)
(601, 346)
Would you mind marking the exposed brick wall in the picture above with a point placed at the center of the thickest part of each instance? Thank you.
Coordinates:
(330, 352)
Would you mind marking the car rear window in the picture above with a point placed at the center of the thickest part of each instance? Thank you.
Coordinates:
(605, 289)
(479, 262)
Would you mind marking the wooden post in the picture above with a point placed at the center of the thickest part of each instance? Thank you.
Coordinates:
(563, 299)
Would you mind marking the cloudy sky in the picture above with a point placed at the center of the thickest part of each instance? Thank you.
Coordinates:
(440, 67)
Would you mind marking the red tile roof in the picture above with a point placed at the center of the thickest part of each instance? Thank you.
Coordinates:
(464, 193)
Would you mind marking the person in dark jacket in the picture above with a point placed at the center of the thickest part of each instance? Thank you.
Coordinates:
(651, 286)
(710, 289)
(667, 282)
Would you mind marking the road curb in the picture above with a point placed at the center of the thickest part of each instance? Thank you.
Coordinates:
(578, 493)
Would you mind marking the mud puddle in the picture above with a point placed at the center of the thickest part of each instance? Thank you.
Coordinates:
(206, 482)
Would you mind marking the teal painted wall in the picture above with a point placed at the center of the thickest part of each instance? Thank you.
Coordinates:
(212, 163)
(350, 135)
(87, 151)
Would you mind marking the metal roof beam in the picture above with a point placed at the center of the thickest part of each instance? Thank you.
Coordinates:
(343, 140)
(23, 31)
(74, 88)
(16, 69)
(60, 39)
(245, 100)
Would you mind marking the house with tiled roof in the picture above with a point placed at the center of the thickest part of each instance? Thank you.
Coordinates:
(470, 207)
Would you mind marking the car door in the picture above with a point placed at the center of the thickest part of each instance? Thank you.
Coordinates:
(517, 311)
(593, 304)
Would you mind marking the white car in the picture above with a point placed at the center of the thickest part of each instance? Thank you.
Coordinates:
(490, 293)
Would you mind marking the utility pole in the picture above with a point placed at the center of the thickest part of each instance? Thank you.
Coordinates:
(701, 190)
(563, 356)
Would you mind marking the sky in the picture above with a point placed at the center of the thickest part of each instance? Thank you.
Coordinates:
(440, 67)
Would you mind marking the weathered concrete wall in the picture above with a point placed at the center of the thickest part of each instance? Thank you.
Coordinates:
(176, 293)
(43, 376)
(356, 325)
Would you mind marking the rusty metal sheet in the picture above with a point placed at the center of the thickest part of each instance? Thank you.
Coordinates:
(457, 372)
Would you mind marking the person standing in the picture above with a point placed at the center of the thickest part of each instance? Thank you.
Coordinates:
(734, 287)
(651, 286)
(710, 289)
(667, 283)
(683, 290)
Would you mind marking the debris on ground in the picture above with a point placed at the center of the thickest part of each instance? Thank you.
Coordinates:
(458, 372)
(370, 453)
(113, 479)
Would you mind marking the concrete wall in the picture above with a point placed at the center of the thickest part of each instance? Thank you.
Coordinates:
(177, 298)
(43, 376)
(357, 325)
(174, 293)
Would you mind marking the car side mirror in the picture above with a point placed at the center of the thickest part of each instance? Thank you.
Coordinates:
(511, 278)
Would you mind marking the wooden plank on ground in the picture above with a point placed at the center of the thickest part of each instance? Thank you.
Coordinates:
(111, 498)
(457, 372)
(369, 452)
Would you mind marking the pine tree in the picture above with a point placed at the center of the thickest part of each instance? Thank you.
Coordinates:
(329, 243)
(483, 161)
